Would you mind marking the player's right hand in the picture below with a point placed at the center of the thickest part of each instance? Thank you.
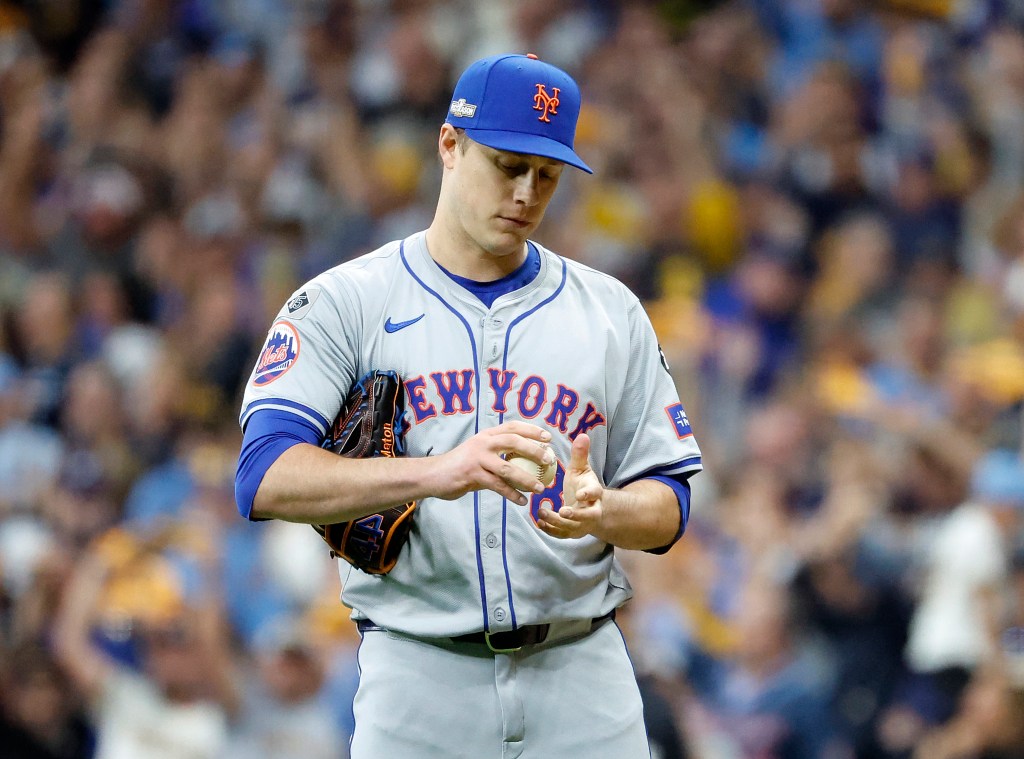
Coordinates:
(479, 464)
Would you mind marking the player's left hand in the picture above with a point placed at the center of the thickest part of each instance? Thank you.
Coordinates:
(582, 492)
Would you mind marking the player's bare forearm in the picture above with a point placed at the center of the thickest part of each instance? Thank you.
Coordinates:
(309, 484)
(643, 515)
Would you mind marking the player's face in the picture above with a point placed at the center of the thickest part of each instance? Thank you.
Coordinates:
(501, 197)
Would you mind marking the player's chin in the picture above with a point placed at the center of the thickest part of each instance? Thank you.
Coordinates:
(506, 244)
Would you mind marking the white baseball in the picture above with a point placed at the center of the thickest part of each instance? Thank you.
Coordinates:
(544, 473)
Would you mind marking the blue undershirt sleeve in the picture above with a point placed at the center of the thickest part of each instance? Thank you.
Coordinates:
(681, 488)
(268, 434)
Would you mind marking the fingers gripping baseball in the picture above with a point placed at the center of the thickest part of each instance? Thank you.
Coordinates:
(480, 463)
(582, 492)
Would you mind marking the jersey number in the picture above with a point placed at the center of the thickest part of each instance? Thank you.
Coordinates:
(552, 497)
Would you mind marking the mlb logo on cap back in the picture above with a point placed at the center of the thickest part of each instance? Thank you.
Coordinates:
(520, 104)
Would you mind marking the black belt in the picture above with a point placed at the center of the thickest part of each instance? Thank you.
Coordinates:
(508, 640)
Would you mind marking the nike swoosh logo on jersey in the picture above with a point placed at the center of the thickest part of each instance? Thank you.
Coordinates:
(390, 326)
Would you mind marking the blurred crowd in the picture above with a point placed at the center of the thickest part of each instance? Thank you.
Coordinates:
(821, 203)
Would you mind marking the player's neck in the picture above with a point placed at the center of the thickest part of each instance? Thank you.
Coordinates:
(464, 257)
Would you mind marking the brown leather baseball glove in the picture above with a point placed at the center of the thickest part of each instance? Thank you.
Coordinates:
(371, 423)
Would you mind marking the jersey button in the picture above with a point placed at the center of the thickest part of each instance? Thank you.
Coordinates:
(491, 540)
(499, 614)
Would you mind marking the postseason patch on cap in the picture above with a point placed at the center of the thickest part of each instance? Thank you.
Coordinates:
(677, 416)
(462, 109)
(279, 353)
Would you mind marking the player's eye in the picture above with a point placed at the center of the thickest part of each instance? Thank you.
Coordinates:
(513, 169)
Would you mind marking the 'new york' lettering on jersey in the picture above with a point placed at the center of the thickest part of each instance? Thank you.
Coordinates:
(466, 368)
(453, 391)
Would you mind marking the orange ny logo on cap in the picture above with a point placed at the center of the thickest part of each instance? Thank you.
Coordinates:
(545, 103)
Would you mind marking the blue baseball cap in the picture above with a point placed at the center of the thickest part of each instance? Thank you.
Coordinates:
(520, 104)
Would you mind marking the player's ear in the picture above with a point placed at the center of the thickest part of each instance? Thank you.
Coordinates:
(448, 145)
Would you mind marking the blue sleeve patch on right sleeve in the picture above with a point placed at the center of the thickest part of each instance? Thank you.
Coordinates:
(268, 434)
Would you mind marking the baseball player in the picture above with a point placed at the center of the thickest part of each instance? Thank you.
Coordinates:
(494, 634)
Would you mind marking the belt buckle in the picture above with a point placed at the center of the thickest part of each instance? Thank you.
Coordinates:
(496, 650)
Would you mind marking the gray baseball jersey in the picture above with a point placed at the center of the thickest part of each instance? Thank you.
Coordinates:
(572, 351)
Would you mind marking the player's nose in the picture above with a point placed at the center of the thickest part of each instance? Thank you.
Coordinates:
(527, 188)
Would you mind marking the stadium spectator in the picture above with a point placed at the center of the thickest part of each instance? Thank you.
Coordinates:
(285, 711)
(180, 700)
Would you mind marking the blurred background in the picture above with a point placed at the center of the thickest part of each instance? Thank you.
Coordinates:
(821, 203)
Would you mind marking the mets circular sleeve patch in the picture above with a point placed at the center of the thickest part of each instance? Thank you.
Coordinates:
(279, 354)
